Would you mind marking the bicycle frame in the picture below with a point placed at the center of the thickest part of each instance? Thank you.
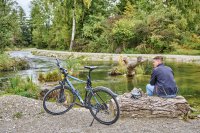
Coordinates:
(76, 92)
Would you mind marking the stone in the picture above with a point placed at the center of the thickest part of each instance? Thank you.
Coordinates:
(152, 106)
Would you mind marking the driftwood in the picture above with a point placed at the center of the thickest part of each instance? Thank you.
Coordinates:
(114, 72)
(153, 106)
(130, 67)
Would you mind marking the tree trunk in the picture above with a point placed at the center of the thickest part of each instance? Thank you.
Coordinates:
(73, 27)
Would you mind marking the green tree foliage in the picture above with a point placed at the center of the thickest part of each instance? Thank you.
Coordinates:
(14, 30)
(7, 23)
(25, 29)
(162, 25)
(133, 26)
(40, 23)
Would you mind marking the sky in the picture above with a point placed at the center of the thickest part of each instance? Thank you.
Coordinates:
(25, 4)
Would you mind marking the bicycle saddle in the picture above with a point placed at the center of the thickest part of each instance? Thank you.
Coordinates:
(90, 67)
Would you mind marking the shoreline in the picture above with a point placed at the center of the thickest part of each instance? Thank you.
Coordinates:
(112, 57)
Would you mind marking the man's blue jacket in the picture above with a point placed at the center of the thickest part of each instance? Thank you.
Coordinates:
(162, 78)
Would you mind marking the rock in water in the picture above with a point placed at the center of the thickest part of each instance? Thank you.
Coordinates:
(152, 106)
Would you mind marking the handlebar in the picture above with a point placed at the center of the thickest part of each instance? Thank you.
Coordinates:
(63, 71)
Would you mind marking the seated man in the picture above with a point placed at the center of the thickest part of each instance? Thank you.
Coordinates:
(162, 81)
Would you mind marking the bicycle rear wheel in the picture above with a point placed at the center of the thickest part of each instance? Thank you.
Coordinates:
(103, 106)
(58, 100)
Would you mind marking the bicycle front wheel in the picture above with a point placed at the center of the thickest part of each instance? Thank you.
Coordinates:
(104, 106)
(58, 100)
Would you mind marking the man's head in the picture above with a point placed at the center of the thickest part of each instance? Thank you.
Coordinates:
(157, 60)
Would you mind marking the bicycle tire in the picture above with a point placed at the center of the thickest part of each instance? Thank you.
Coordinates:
(104, 95)
(54, 104)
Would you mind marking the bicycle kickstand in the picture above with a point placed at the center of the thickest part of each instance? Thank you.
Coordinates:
(93, 119)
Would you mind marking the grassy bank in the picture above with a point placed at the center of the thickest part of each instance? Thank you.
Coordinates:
(23, 87)
(11, 64)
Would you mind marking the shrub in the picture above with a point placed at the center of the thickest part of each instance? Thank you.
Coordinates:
(50, 76)
(10, 64)
(6, 63)
(122, 32)
(121, 67)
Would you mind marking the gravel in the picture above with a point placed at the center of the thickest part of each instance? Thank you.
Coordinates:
(21, 115)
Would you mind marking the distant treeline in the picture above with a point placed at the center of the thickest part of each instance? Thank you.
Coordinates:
(115, 26)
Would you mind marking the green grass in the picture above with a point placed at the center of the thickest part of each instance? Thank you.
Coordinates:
(183, 51)
(18, 115)
(23, 87)
(195, 104)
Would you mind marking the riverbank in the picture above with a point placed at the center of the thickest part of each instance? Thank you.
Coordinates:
(12, 64)
(112, 57)
(21, 115)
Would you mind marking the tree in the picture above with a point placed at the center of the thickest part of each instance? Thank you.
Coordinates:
(86, 3)
(73, 25)
(9, 24)
(25, 28)
(40, 22)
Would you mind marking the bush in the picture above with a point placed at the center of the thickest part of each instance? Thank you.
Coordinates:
(50, 76)
(10, 64)
(192, 41)
(6, 63)
(122, 32)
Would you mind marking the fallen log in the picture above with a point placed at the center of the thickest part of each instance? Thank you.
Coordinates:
(153, 106)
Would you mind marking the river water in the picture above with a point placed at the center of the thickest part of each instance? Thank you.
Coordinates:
(187, 76)
(37, 64)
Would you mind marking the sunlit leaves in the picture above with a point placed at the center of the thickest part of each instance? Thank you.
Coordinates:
(87, 3)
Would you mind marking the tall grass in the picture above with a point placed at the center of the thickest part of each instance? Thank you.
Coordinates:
(50, 76)
(24, 87)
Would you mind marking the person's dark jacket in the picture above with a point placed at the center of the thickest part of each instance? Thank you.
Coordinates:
(162, 78)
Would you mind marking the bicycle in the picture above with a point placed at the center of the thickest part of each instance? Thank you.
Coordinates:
(101, 101)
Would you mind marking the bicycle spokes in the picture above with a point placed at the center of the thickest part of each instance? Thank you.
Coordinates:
(58, 101)
(102, 107)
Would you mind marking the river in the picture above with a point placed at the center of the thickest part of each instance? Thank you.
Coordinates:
(187, 76)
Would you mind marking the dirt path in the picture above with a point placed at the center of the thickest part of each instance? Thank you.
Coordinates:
(23, 115)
